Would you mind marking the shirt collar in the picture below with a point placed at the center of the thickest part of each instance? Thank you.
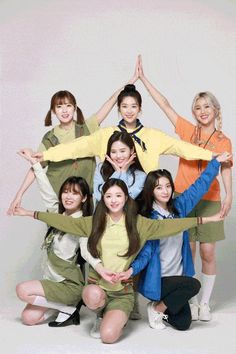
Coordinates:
(77, 214)
(160, 210)
(110, 222)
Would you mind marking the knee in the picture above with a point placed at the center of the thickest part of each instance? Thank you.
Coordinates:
(21, 291)
(93, 296)
(109, 335)
(184, 325)
(29, 318)
(207, 256)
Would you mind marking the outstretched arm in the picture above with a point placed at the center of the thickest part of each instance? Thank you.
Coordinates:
(77, 226)
(109, 104)
(157, 96)
(157, 229)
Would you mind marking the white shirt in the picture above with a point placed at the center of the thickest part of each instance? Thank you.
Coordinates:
(65, 247)
(170, 249)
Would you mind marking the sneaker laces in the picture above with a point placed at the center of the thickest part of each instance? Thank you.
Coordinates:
(165, 317)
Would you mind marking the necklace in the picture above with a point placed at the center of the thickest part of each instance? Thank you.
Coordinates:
(200, 142)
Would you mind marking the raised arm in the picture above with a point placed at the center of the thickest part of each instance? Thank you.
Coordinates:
(156, 95)
(191, 196)
(28, 180)
(102, 113)
(47, 193)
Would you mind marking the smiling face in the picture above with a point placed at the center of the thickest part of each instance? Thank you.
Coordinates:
(204, 112)
(72, 198)
(129, 110)
(120, 153)
(115, 199)
(162, 191)
(64, 111)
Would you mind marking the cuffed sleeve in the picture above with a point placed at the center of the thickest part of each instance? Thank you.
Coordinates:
(77, 226)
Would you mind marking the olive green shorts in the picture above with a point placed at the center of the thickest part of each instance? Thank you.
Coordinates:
(211, 232)
(64, 292)
(120, 300)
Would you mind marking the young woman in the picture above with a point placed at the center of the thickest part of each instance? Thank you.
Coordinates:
(62, 283)
(208, 135)
(71, 125)
(149, 143)
(116, 234)
(121, 162)
(167, 264)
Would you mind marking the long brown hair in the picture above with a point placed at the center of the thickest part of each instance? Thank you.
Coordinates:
(152, 179)
(100, 221)
(59, 98)
(107, 169)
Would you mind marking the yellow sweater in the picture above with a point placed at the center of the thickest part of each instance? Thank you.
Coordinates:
(157, 143)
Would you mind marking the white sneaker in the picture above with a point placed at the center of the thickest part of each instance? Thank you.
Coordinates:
(194, 312)
(204, 312)
(155, 318)
(95, 330)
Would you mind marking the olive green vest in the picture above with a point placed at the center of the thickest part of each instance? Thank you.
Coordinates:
(68, 270)
(58, 172)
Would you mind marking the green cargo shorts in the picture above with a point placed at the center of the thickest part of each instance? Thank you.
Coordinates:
(211, 232)
(64, 292)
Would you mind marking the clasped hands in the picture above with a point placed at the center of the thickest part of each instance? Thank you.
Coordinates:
(113, 277)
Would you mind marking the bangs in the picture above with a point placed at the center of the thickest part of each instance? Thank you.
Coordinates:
(62, 97)
(63, 100)
(72, 187)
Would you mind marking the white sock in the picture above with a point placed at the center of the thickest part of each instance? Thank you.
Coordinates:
(43, 302)
(194, 300)
(62, 317)
(49, 313)
(208, 282)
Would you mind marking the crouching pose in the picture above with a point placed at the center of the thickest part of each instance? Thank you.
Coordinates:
(62, 284)
(167, 264)
(116, 235)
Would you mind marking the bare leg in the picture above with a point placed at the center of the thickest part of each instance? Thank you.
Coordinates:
(193, 249)
(207, 253)
(32, 292)
(94, 297)
(27, 292)
(32, 315)
(112, 325)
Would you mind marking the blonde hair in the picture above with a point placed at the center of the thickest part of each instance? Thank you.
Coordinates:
(212, 100)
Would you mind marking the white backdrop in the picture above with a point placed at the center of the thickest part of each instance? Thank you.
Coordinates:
(90, 48)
